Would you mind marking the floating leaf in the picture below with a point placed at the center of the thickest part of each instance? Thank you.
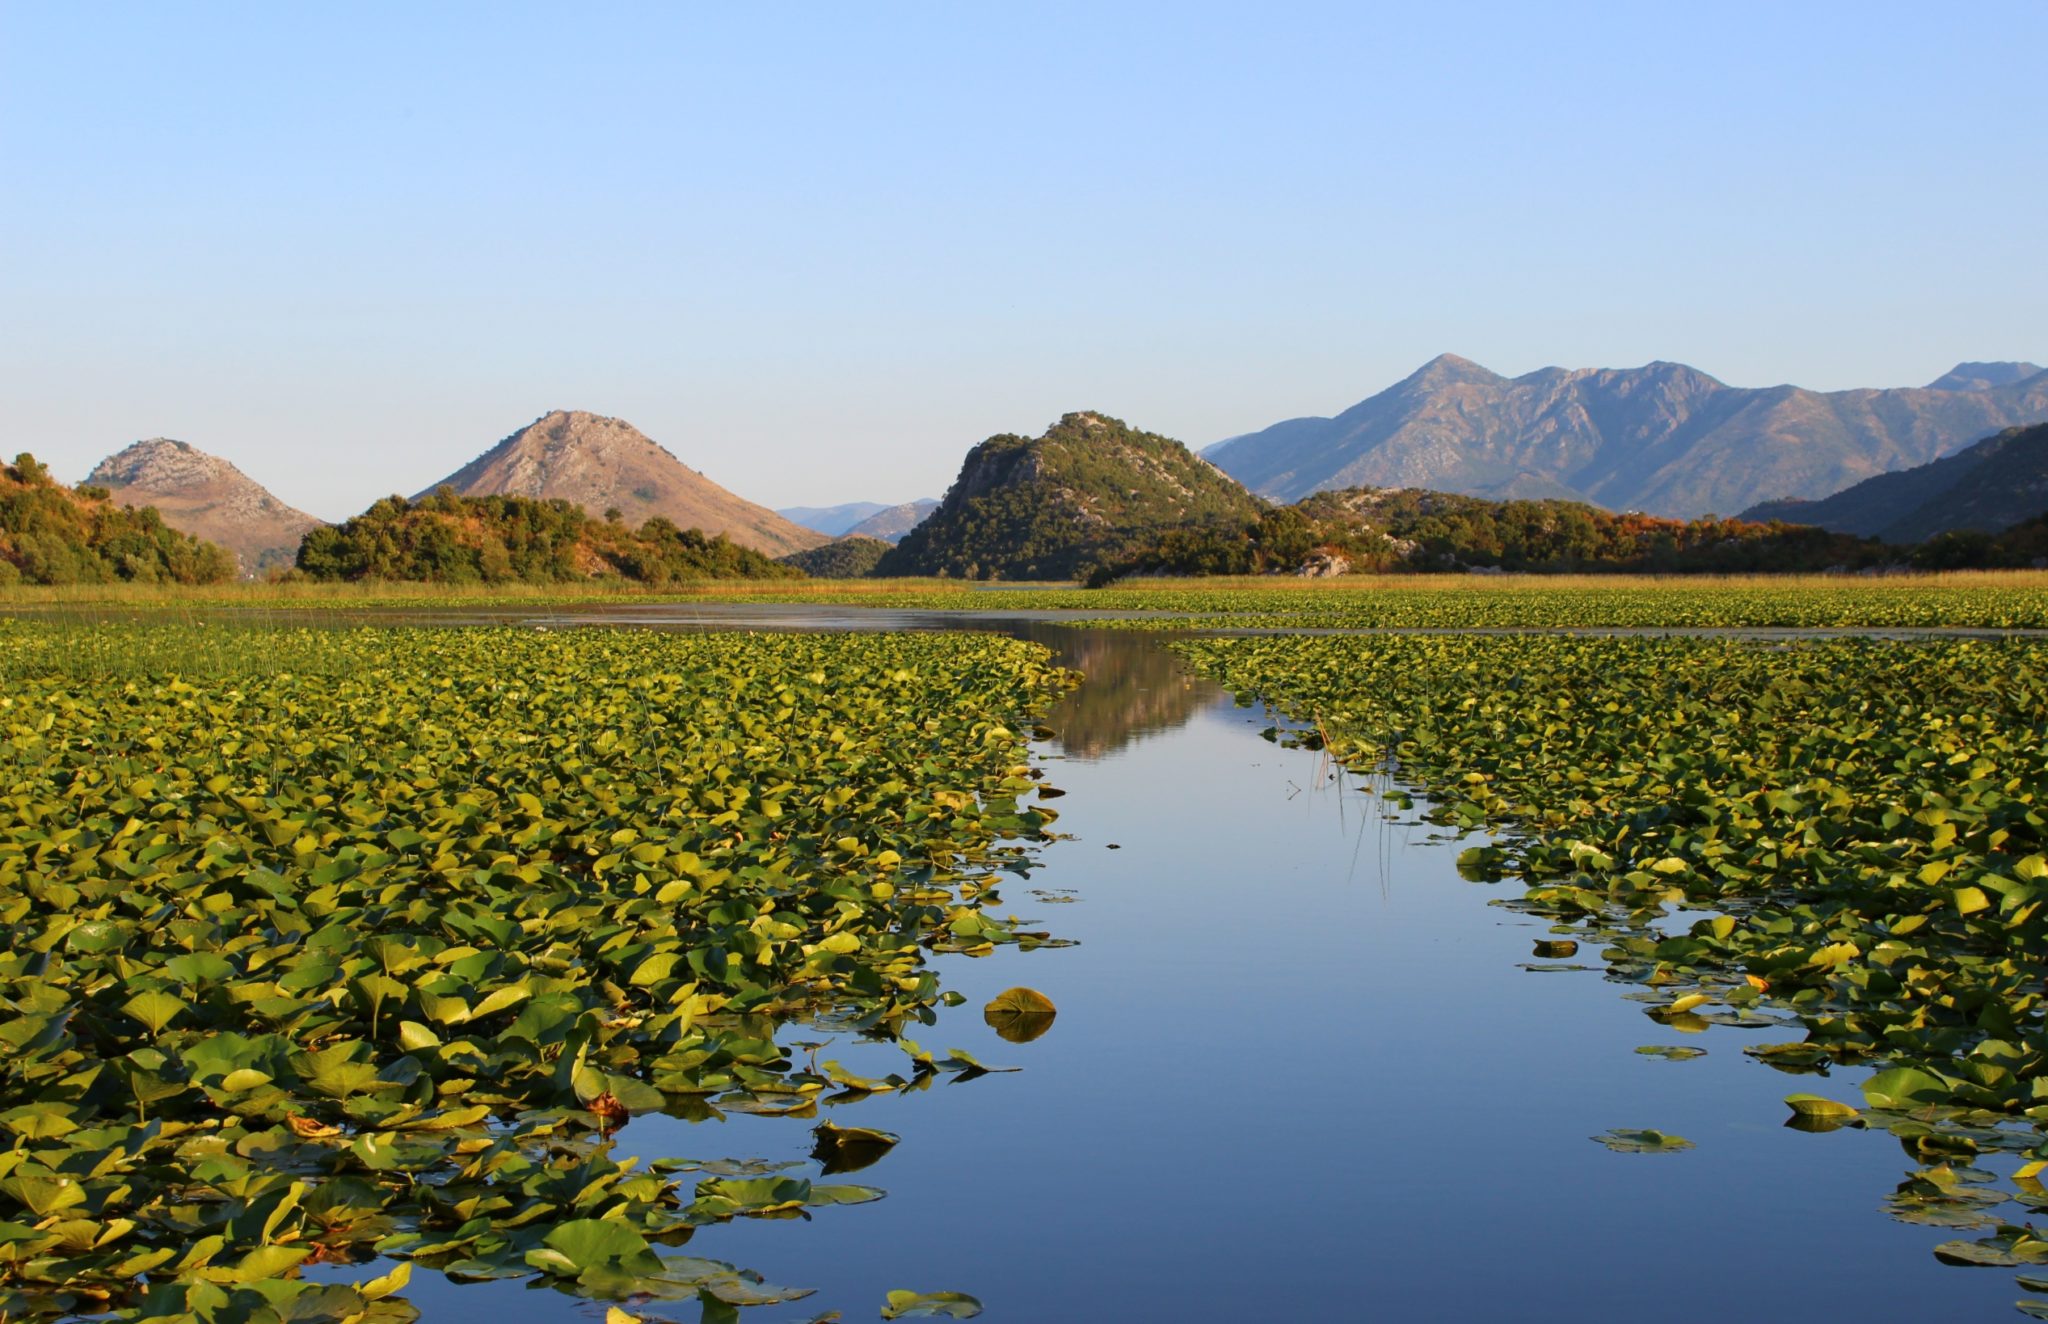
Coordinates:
(942, 1305)
(1019, 1015)
(155, 1008)
(1904, 1088)
(849, 1148)
(1813, 1106)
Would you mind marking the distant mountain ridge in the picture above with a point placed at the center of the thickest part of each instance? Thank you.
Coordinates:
(1984, 376)
(207, 497)
(1057, 505)
(1989, 487)
(862, 519)
(891, 524)
(603, 464)
(832, 521)
(1664, 438)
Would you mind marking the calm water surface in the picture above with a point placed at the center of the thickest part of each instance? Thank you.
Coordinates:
(1298, 1074)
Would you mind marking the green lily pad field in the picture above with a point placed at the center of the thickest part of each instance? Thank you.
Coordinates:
(325, 947)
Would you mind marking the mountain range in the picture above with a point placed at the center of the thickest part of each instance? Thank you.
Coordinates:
(207, 497)
(1988, 487)
(1664, 438)
(890, 525)
(832, 521)
(606, 464)
(863, 519)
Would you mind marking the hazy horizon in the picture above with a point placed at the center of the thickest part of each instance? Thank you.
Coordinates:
(819, 256)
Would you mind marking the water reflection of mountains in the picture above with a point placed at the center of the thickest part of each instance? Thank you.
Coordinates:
(1132, 688)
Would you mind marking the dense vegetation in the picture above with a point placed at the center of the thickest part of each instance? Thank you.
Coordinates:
(1862, 823)
(1087, 493)
(51, 534)
(1382, 529)
(337, 945)
(450, 539)
(842, 558)
(2022, 546)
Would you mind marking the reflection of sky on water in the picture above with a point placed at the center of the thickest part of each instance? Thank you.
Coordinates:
(1297, 1074)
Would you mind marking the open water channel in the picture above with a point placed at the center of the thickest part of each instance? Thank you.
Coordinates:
(1299, 1072)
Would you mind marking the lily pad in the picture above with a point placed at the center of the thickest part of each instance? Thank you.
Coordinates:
(935, 1305)
(1019, 1015)
(849, 1148)
(1643, 1142)
(1816, 1107)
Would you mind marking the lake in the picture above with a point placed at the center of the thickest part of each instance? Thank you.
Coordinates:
(1299, 1072)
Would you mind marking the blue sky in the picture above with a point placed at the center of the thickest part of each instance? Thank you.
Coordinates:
(819, 251)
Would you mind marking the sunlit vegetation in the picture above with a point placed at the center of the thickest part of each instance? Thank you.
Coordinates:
(1382, 530)
(54, 535)
(1857, 827)
(354, 946)
(450, 539)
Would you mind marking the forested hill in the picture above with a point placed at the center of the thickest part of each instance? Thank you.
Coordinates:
(1381, 529)
(853, 557)
(52, 534)
(1990, 487)
(453, 539)
(1090, 491)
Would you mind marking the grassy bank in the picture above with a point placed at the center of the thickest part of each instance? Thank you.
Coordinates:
(1989, 599)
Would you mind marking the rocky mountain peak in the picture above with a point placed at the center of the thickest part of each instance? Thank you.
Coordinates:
(603, 463)
(159, 462)
(1451, 370)
(206, 496)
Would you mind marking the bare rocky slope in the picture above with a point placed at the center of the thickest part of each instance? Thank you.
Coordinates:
(1664, 438)
(604, 464)
(207, 497)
